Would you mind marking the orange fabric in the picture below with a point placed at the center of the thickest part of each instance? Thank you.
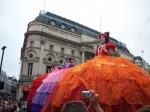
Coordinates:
(114, 79)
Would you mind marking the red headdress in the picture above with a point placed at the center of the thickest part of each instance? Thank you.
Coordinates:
(104, 35)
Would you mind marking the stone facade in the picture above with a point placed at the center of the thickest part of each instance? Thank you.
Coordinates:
(141, 62)
(49, 40)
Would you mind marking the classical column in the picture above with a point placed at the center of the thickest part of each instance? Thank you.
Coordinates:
(83, 56)
(40, 65)
(20, 94)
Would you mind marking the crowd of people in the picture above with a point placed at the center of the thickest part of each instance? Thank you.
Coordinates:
(71, 106)
(13, 106)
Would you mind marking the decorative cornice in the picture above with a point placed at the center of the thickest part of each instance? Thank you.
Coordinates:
(52, 36)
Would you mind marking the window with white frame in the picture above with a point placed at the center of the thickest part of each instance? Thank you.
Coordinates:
(31, 43)
(30, 67)
(72, 52)
(62, 50)
(51, 47)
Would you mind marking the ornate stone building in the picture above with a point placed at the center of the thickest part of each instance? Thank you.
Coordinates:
(49, 40)
(141, 62)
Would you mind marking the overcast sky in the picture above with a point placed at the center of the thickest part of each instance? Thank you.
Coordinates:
(127, 21)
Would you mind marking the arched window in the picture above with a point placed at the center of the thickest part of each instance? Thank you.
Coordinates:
(72, 29)
(30, 55)
(61, 61)
(53, 23)
(49, 59)
(63, 26)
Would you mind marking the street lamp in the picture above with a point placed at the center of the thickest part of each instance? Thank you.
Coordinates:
(142, 59)
(3, 49)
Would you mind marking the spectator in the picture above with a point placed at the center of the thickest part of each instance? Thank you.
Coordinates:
(79, 106)
(1, 104)
(144, 109)
(19, 107)
(24, 105)
(74, 106)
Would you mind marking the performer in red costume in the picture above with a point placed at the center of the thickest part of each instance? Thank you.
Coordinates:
(106, 47)
(122, 86)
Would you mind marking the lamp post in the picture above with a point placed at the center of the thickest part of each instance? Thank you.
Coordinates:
(142, 59)
(3, 49)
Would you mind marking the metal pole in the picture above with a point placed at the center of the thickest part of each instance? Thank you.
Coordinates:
(142, 58)
(3, 49)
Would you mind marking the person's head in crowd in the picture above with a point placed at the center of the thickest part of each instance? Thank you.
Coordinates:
(19, 104)
(1, 97)
(74, 106)
(69, 63)
(2, 102)
(14, 108)
(144, 109)
(79, 106)
(69, 60)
